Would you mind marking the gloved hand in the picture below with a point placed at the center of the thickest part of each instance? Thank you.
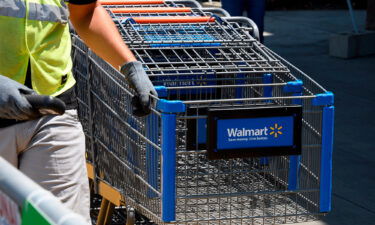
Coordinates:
(139, 81)
(13, 105)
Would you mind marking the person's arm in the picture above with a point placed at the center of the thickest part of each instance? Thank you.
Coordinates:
(96, 28)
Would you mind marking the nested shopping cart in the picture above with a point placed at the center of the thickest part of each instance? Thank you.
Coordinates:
(171, 12)
(164, 11)
(120, 9)
(239, 135)
(168, 31)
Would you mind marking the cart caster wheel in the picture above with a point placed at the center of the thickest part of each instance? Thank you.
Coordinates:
(130, 216)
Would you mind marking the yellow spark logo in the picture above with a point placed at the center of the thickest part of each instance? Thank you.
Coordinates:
(276, 130)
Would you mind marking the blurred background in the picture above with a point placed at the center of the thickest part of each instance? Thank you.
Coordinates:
(313, 4)
(309, 4)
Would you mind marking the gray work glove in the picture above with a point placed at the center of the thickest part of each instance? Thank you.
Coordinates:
(13, 105)
(138, 80)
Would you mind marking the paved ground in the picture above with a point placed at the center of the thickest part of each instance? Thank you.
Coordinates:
(302, 38)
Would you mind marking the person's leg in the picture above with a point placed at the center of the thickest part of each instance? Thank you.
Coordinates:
(256, 11)
(55, 159)
(234, 7)
(8, 147)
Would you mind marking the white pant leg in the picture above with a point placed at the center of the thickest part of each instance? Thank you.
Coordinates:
(8, 144)
(51, 151)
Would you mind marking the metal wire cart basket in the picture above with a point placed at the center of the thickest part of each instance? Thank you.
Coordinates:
(238, 136)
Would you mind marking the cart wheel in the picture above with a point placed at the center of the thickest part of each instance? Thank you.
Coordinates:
(130, 216)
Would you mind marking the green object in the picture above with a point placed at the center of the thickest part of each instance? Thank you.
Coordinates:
(36, 33)
(31, 215)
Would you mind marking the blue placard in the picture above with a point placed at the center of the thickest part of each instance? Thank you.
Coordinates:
(255, 132)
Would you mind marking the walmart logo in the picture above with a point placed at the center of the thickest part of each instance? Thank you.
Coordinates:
(276, 130)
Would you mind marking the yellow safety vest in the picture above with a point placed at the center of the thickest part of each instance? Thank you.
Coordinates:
(36, 31)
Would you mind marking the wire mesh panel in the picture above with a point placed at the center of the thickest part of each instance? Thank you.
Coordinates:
(310, 85)
(198, 60)
(209, 32)
(210, 66)
(124, 148)
(244, 191)
(81, 72)
(123, 138)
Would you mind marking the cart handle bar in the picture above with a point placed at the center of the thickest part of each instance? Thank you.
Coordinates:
(151, 10)
(172, 19)
(131, 2)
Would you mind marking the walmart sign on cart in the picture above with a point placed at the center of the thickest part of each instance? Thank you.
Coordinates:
(254, 132)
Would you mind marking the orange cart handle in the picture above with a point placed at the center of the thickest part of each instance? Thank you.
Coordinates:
(173, 19)
(131, 2)
(151, 10)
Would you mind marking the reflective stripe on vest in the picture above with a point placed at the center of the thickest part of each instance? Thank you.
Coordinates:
(40, 12)
(15, 8)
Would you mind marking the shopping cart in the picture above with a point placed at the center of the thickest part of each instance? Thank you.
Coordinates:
(184, 163)
(174, 166)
